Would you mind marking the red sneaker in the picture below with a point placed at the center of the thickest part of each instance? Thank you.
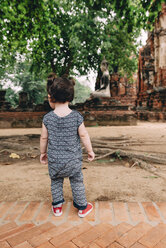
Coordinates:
(85, 212)
(57, 211)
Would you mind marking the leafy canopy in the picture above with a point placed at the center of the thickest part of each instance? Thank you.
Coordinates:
(68, 35)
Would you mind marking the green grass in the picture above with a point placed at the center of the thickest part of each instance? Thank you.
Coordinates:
(151, 177)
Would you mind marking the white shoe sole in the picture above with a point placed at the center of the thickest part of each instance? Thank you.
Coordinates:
(83, 215)
(56, 214)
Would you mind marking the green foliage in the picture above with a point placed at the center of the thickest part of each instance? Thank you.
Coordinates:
(27, 26)
(149, 12)
(12, 97)
(119, 49)
(63, 35)
(118, 155)
(29, 82)
(81, 92)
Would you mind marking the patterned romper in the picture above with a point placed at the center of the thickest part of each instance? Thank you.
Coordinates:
(65, 156)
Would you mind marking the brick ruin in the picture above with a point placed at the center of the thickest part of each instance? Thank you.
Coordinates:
(151, 83)
(119, 109)
(115, 110)
(145, 99)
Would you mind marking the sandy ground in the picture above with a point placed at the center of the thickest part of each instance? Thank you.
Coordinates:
(29, 180)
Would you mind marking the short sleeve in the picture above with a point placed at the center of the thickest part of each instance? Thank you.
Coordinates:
(80, 119)
(45, 121)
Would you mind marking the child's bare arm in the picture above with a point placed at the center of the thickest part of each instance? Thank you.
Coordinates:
(43, 144)
(86, 141)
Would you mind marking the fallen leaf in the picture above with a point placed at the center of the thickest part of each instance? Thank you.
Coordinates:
(33, 156)
(14, 155)
(127, 165)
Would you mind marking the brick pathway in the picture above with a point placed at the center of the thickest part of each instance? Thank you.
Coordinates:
(111, 224)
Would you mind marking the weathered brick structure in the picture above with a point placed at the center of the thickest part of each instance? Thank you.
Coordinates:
(119, 109)
(96, 111)
(107, 111)
(24, 116)
(151, 95)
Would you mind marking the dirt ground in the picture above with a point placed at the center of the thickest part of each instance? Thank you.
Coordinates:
(26, 179)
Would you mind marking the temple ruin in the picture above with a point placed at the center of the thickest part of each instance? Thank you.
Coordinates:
(145, 99)
(151, 83)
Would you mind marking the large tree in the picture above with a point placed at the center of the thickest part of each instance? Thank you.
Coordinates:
(22, 79)
(67, 35)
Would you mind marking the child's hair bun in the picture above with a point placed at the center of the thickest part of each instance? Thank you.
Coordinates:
(51, 76)
(50, 79)
(72, 80)
(69, 78)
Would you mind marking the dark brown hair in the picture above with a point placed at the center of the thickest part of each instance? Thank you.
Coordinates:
(50, 79)
(61, 90)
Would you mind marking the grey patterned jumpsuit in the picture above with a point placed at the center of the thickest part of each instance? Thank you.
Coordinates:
(65, 156)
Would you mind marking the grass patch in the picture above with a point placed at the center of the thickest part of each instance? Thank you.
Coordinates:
(151, 177)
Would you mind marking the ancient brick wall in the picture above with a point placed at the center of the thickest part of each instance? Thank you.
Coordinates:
(96, 111)
(151, 94)
(91, 118)
(160, 48)
(21, 119)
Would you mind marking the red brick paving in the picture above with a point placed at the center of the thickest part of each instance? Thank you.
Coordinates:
(110, 225)
(29, 211)
(105, 215)
(154, 236)
(162, 207)
(5, 207)
(113, 234)
(72, 215)
(120, 211)
(151, 211)
(7, 227)
(16, 210)
(133, 235)
(115, 245)
(4, 244)
(20, 237)
(44, 212)
(135, 212)
(23, 245)
(16, 230)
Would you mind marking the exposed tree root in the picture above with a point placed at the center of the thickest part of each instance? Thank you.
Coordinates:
(122, 148)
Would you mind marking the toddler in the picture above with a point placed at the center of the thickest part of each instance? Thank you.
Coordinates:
(62, 129)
